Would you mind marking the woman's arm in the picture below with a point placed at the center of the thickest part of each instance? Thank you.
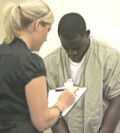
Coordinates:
(36, 95)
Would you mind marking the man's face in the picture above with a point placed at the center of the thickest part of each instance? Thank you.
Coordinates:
(77, 47)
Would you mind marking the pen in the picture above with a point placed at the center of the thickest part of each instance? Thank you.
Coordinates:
(59, 89)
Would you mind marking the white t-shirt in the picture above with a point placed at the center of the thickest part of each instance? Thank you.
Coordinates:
(75, 70)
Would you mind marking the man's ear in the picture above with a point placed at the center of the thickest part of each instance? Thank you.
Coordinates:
(37, 24)
(88, 33)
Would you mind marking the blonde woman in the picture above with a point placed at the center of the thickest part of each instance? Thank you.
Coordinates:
(23, 93)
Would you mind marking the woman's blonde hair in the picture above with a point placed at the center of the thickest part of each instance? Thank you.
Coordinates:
(18, 16)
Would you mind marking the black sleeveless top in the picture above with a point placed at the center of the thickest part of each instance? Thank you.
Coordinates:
(18, 66)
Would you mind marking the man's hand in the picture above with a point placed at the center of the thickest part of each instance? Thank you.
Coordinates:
(112, 116)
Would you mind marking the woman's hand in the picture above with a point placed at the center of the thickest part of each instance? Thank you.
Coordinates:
(66, 98)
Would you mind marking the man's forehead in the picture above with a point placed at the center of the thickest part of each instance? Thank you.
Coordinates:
(75, 40)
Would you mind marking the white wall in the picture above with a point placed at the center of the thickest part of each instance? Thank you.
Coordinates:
(102, 18)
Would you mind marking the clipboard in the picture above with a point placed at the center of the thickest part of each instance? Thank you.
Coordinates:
(53, 96)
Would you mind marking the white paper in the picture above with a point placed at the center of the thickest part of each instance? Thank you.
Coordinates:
(54, 95)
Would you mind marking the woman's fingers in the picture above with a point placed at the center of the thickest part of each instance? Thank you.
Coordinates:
(73, 89)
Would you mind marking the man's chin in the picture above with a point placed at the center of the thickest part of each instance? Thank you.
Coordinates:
(77, 60)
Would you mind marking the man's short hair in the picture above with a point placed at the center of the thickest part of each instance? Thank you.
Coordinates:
(71, 25)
